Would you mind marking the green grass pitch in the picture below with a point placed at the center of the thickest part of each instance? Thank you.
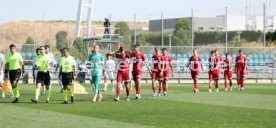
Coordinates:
(255, 107)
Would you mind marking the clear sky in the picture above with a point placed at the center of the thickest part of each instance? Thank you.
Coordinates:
(123, 9)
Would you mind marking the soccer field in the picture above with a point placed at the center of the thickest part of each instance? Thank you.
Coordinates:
(255, 107)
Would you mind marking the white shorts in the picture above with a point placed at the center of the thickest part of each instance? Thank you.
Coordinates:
(109, 75)
(2, 78)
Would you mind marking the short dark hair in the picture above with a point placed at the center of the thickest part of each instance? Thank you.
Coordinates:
(164, 49)
(226, 54)
(212, 51)
(60, 50)
(36, 50)
(67, 49)
(12, 45)
(47, 46)
(136, 45)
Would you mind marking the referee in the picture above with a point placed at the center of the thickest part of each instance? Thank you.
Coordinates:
(42, 64)
(68, 73)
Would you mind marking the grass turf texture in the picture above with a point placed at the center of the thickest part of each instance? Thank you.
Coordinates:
(255, 107)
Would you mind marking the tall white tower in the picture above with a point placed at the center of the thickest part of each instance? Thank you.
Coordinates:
(89, 4)
(250, 19)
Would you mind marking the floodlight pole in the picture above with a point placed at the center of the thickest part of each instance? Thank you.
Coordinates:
(226, 29)
(192, 18)
(135, 32)
(264, 31)
(162, 29)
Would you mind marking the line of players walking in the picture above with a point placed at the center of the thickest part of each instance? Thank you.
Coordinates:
(129, 64)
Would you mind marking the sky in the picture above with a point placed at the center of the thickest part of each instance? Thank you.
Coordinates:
(124, 10)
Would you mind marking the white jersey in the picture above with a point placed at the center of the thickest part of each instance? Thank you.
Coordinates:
(52, 58)
(2, 59)
(109, 65)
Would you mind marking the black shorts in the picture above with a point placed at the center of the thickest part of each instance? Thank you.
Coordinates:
(43, 77)
(14, 75)
(67, 78)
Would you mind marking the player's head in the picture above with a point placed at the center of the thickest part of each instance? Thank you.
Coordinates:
(164, 51)
(107, 56)
(240, 52)
(216, 52)
(12, 48)
(121, 49)
(37, 51)
(195, 52)
(61, 50)
(136, 47)
(65, 52)
(157, 51)
(96, 49)
(212, 53)
(227, 55)
(47, 48)
(42, 50)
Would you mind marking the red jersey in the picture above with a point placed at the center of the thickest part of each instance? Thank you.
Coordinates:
(241, 62)
(157, 62)
(228, 65)
(137, 60)
(195, 62)
(123, 62)
(213, 61)
(219, 61)
(166, 62)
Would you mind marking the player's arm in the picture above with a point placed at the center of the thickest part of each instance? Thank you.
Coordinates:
(146, 63)
(3, 66)
(22, 64)
(75, 70)
(171, 66)
(235, 67)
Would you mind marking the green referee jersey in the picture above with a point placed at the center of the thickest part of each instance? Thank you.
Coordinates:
(14, 60)
(67, 64)
(43, 61)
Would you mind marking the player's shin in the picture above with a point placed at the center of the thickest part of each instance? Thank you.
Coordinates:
(65, 95)
(48, 93)
(37, 91)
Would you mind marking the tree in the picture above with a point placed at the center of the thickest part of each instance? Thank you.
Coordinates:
(28, 47)
(125, 33)
(79, 49)
(61, 39)
(182, 34)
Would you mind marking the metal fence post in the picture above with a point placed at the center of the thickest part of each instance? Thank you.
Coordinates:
(272, 75)
(178, 77)
(257, 76)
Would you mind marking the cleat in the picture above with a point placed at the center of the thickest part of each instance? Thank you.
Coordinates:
(242, 89)
(93, 101)
(72, 99)
(231, 89)
(64, 102)
(34, 101)
(113, 90)
(217, 90)
(165, 93)
(159, 94)
(239, 88)
(154, 94)
(225, 89)
(117, 99)
(47, 101)
(127, 99)
(196, 91)
(100, 98)
(210, 90)
(16, 100)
